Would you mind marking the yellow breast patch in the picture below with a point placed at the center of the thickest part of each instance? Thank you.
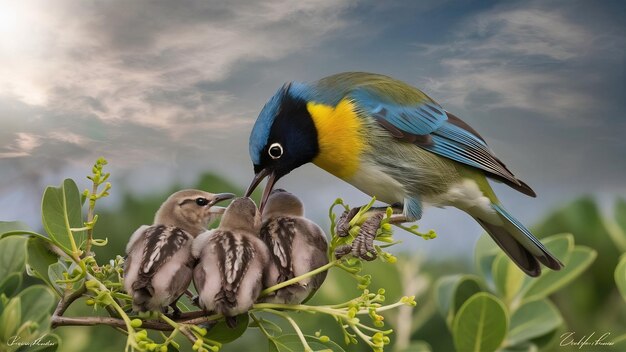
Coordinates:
(340, 137)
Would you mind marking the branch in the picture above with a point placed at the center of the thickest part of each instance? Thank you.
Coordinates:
(66, 301)
(194, 318)
(114, 322)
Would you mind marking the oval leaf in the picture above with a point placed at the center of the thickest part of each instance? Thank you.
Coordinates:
(10, 319)
(453, 291)
(61, 211)
(485, 253)
(579, 260)
(507, 277)
(12, 255)
(292, 343)
(13, 226)
(620, 276)
(220, 332)
(11, 284)
(40, 257)
(481, 324)
(533, 319)
(37, 303)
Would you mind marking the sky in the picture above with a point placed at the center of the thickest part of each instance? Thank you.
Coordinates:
(167, 90)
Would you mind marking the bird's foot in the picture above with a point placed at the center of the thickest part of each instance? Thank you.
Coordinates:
(195, 300)
(343, 224)
(175, 311)
(363, 245)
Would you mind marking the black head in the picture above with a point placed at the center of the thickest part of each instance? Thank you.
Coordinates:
(283, 138)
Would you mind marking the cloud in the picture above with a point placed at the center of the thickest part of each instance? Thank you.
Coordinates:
(111, 59)
(23, 145)
(525, 56)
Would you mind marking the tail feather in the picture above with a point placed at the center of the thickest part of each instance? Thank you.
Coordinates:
(519, 244)
(518, 253)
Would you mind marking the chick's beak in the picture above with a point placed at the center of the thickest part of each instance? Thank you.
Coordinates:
(216, 199)
(258, 177)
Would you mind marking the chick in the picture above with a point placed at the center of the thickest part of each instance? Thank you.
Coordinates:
(158, 266)
(297, 245)
(232, 262)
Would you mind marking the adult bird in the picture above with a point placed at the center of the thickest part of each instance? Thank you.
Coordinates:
(392, 141)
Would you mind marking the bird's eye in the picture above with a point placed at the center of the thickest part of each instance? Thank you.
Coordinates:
(275, 150)
(202, 201)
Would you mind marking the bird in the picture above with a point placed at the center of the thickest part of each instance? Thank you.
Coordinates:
(392, 141)
(232, 262)
(158, 265)
(297, 246)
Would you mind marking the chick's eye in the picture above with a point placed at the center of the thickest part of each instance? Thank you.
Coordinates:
(275, 150)
(202, 201)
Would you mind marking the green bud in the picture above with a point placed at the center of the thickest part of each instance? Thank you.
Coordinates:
(324, 338)
(136, 323)
(90, 302)
(163, 348)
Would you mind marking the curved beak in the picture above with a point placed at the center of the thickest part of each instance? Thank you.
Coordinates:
(219, 198)
(258, 177)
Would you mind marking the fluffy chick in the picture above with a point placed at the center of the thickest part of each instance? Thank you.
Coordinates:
(158, 266)
(297, 245)
(232, 262)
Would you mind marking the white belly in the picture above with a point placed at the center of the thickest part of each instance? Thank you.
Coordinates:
(373, 181)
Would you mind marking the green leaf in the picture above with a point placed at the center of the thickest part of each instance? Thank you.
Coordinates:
(620, 276)
(11, 284)
(12, 255)
(10, 319)
(40, 257)
(292, 343)
(484, 254)
(55, 273)
(508, 278)
(619, 235)
(222, 333)
(12, 226)
(453, 291)
(533, 319)
(37, 303)
(267, 325)
(579, 260)
(481, 324)
(560, 246)
(61, 211)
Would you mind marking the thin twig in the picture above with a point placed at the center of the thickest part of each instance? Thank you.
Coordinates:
(66, 301)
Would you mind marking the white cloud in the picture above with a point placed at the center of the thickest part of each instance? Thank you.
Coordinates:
(524, 58)
(107, 59)
(23, 145)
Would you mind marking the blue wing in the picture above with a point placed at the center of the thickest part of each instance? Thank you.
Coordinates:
(430, 127)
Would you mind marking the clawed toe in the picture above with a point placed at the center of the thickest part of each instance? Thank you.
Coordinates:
(343, 250)
(343, 224)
